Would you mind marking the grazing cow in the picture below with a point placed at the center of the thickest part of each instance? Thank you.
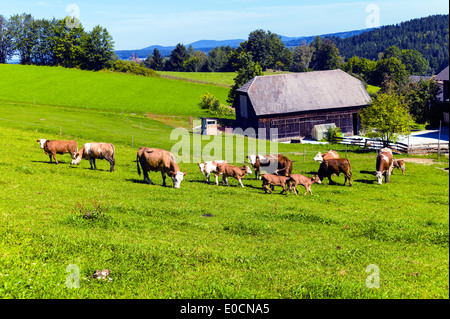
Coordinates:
(209, 167)
(297, 179)
(52, 148)
(274, 180)
(93, 151)
(159, 160)
(228, 170)
(272, 164)
(335, 166)
(385, 165)
(320, 157)
(400, 164)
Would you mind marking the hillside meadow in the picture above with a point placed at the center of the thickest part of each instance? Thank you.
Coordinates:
(204, 241)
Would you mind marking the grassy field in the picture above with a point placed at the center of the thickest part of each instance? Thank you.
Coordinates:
(103, 91)
(204, 241)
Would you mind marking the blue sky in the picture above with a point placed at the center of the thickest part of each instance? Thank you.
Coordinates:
(137, 24)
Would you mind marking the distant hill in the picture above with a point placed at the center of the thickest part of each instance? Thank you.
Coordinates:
(208, 45)
(429, 36)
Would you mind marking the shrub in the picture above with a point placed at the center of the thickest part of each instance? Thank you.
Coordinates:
(332, 134)
(131, 67)
(212, 104)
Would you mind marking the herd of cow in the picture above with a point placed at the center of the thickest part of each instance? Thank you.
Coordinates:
(277, 168)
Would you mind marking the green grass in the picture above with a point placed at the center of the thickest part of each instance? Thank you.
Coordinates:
(103, 91)
(216, 78)
(371, 89)
(160, 243)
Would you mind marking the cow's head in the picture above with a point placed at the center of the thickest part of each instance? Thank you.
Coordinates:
(379, 177)
(202, 166)
(247, 169)
(42, 142)
(177, 178)
(252, 159)
(77, 157)
(318, 157)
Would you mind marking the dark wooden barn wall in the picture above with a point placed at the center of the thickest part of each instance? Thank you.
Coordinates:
(300, 125)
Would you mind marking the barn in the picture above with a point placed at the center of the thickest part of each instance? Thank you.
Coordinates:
(295, 102)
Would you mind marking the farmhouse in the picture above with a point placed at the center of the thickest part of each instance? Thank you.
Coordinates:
(294, 103)
(442, 78)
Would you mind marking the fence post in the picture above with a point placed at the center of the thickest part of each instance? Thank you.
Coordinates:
(439, 140)
(60, 131)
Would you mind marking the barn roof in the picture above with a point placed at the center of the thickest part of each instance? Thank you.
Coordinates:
(307, 91)
(443, 75)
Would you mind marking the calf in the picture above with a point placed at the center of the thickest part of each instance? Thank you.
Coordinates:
(385, 165)
(297, 179)
(320, 157)
(51, 148)
(228, 170)
(93, 151)
(335, 166)
(400, 164)
(274, 180)
(209, 167)
(272, 164)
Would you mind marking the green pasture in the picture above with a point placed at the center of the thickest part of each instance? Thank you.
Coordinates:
(205, 241)
(117, 92)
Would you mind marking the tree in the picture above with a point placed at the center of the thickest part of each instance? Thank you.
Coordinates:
(301, 58)
(97, 49)
(392, 67)
(155, 61)
(268, 50)
(360, 66)
(218, 59)
(23, 35)
(420, 97)
(386, 117)
(6, 41)
(326, 55)
(248, 70)
(177, 58)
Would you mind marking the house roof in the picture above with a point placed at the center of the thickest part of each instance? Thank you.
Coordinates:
(443, 75)
(307, 91)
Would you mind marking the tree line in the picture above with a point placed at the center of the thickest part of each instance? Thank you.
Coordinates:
(62, 42)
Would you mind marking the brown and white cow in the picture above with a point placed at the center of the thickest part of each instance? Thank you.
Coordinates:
(385, 165)
(400, 164)
(335, 166)
(274, 180)
(93, 151)
(298, 179)
(159, 160)
(271, 164)
(320, 157)
(209, 167)
(53, 147)
(227, 170)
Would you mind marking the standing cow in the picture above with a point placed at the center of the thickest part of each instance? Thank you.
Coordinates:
(385, 165)
(54, 147)
(93, 151)
(155, 159)
(335, 166)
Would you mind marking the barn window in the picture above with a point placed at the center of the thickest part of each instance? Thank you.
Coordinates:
(243, 104)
